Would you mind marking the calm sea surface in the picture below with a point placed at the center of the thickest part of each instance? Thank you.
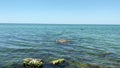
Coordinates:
(94, 44)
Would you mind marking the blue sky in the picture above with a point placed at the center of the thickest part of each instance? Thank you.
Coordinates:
(60, 11)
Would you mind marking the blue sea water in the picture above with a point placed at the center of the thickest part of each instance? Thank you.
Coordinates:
(94, 44)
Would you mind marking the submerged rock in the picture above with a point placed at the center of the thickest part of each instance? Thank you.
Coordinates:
(58, 61)
(63, 41)
(84, 65)
(105, 54)
(32, 63)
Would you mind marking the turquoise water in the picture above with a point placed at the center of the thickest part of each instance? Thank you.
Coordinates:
(94, 44)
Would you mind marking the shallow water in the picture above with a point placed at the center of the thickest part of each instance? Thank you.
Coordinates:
(94, 44)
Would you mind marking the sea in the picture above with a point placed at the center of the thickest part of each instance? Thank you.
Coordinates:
(90, 43)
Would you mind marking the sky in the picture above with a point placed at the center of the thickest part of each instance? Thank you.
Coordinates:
(60, 11)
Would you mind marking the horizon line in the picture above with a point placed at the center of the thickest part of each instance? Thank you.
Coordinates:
(62, 23)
